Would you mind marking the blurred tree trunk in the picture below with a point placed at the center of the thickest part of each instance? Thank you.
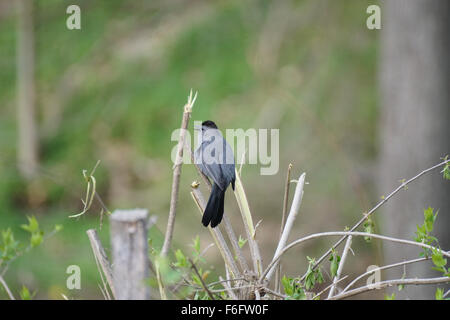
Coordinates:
(27, 148)
(415, 126)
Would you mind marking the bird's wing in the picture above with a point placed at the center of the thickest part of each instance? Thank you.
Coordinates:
(215, 159)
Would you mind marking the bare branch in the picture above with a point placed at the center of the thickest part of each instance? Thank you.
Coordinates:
(296, 202)
(3, 282)
(341, 266)
(348, 233)
(385, 199)
(403, 263)
(176, 175)
(101, 260)
(283, 220)
(390, 283)
(201, 279)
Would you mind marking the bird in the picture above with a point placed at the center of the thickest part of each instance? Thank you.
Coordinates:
(215, 159)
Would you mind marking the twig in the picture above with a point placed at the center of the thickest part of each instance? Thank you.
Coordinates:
(177, 174)
(347, 233)
(101, 258)
(283, 220)
(228, 288)
(244, 208)
(274, 293)
(341, 266)
(3, 282)
(201, 279)
(332, 284)
(446, 294)
(390, 283)
(385, 199)
(296, 202)
(403, 263)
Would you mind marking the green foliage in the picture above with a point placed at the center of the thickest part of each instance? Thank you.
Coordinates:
(293, 288)
(241, 241)
(334, 265)
(439, 295)
(446, 170)
(36, 235)
(369, 227)
(9, 246)
(313, 276)
(389, 297)
(423, 231)
(440, 262)
(25, 294)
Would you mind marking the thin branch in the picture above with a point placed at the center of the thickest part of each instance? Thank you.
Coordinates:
(341, 266)
(3, 282)
(384, 200)
(101, 258)
(201, 279)
(390, 283)
(403, 263)
(347, 233)
(244, 209)
(275, 293)
(296, 202)
(176, 175)
(332, 284)
(228, 288)
(283, 220)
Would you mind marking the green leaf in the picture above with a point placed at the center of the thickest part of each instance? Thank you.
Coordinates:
(196, 244)
(32, 226)
(369, 227)
(438, 259)
(36, 239)
(287, 286)
(25, 294)
(439, 294)
(181, 259)
(389, 297)
(334, 265)
(241, 241)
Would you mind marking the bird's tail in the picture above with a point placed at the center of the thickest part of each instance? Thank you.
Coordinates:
(214, 208)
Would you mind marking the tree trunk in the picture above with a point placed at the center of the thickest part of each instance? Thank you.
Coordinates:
(27, 148)
(415, 126)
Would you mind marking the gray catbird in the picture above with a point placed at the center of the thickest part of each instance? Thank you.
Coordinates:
(215, 159)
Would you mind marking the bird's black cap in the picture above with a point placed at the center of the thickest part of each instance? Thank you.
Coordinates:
(209, 124)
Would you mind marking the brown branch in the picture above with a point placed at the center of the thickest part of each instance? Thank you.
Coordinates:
(176, 175)
(205, 287)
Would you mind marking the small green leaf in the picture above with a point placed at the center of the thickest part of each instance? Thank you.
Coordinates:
(181, 259)
(438, 259)
(241, 241)
(196, 244)
(32, 226)
(439, 294)
(334, 265)
(389, 297)
(25, 294)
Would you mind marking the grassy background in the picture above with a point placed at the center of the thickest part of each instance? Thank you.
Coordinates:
(115, 89)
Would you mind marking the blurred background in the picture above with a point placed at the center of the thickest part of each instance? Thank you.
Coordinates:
(358, 110)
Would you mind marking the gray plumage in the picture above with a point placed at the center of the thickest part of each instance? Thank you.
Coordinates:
(215, 159)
